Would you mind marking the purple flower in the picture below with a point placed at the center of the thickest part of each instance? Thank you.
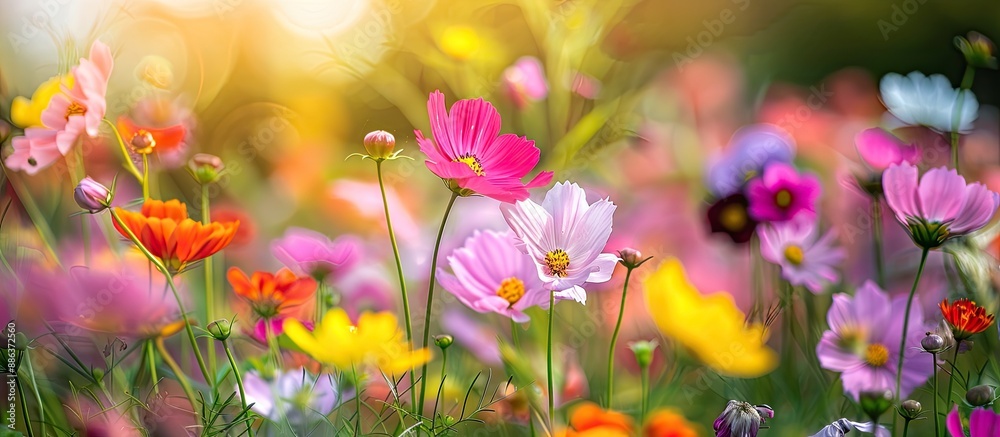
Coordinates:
(524, 82)
(749, 152)
(880, 149)
(982, 423)
(782, 193)
(940, 207)
(310, 253)
(805, 258)
(295, 396)
(843, 426)
(741, 419)
(491, 275)
(863, 342)
(564, 237)
(92, 196)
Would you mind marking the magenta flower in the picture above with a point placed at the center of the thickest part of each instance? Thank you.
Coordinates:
(940, 207)
(805, 258)
(982, 423)
(310, 253)
(467, 153)
(564, 237)
(524, 82)
(277, 323)
(491, 275)
(781, 194)
(863, 342)
(879, 149)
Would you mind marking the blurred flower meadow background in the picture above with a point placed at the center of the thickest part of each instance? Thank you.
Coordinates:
(524, 217)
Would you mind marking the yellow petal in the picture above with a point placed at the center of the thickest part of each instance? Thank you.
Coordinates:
(302, 337)
(26, 113)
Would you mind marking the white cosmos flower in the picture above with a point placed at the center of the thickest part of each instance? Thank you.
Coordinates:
(564, 236)
(929, 101)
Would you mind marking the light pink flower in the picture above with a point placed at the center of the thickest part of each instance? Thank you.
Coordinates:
(491, 275)
(565, 236)
(90, 85)
(310, 253)
(805, 258)
(940, 206)
(880, 149)
(34, 151)
(524, 82)
(467, 153)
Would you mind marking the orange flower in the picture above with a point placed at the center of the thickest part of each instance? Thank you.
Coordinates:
(166, 231)
(271, 294)
(149, 139)
(590, 420)
(668, 423)
(966, 318)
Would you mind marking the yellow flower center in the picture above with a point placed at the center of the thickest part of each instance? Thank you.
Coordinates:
(733, 217)
(877, 355)
(557, 261)
(511, 289)
(74, 109)
(143, 142)
(794, 254)
(783, 198)
(473, 163)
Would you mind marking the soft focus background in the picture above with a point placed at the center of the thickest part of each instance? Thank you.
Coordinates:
(640, 96)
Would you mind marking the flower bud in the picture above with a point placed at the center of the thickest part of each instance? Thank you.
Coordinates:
(206, 168)
(92, 196)
(978, 50)
(910, 409)
(643, 351)
(143, 142)
(379, 145)
(220, 329)
(443, 341)
(932, 343)
(631, 258)
(980, 395)
(875, 403)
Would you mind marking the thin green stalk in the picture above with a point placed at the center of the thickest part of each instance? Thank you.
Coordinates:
(956, 117)
(319, 302)
(430, 300)
(877, 240)
(614, 339)
(548, 359)
(357, 399)
(906, 321)
(954, 368)
(644, 402)
(151, 359)
(34, 389)
(24, 406)
(272, 344)
(937, 427)
(145, 176)
(126, 157)
(209, 267)
(181, 378)
(170, 282)
(756, 278)
(906, 427)
(37, 219)
(399, 271)
(239, 382)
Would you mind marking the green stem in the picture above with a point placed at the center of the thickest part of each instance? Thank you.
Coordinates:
(937, 428)
(954, 368)
(513, 334)
(357, 399)
(239, 382)
(756, 278)
(24, 406)
(151, 359)
(272, 344)
(173, 288)
(181, 378)
(206, 217)
(145, 176)
(548, 359)
(34, 389)
(430, 300)
(906, 322)
(956, 117)
(644, 402)
(614, 339)
(126, 158)
(906, 427)
(877, 240)
(399, 270)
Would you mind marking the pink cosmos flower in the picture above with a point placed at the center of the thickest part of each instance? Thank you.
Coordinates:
(805, 258)
(491, 275)
(863, 342)
(782, 193)
(277, 323)
(880, 149)
(467, 153)
(90, 86)
(34, 151)
(940, 207)
(310, 253)
(982, 423)
(524, 82)
(564, 237)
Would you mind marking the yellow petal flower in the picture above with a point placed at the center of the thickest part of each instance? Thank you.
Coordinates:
(375, 340)
(26, 113)
(711, 327)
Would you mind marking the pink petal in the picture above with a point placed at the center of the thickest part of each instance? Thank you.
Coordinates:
(954, 423)
(983, 422)
(509, 156)
(900, 185)
(941, 192)
(880, 149)
(978, 208)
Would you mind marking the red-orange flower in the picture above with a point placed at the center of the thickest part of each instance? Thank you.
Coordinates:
(668, 423)
(966, 318)
(165, 230)
(145, 139)
(590, 420)
(271, 294)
